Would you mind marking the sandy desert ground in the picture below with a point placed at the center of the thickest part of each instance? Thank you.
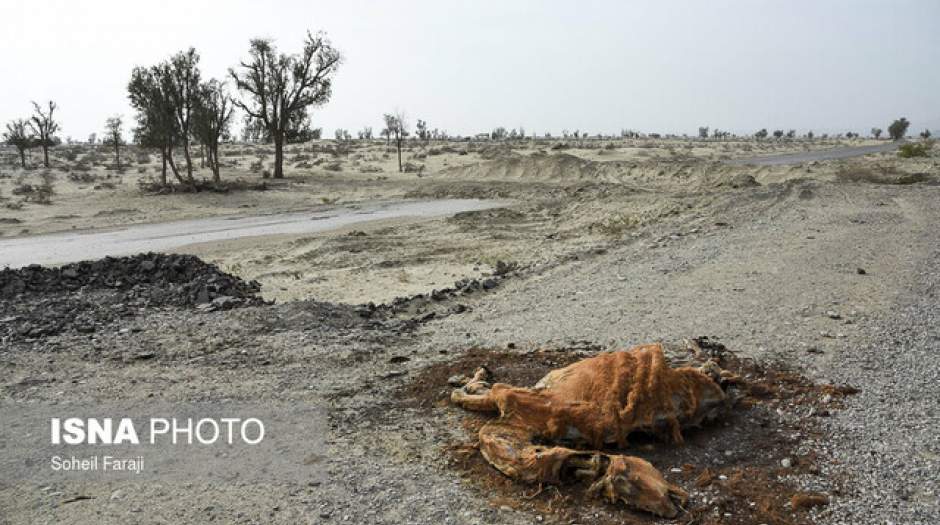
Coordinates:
(826, 270)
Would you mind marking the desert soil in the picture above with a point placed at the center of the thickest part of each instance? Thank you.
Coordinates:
(824, 273)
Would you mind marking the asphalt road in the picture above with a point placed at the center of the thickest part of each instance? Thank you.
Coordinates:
(60, 248)
(809, 156)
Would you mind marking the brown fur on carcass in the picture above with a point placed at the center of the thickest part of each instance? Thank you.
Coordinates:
(595, 401)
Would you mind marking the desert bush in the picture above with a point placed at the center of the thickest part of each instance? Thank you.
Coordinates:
(47, 178)
(333, 166)
(143, 157)
(22, 189)
(410, 167)
(141, 169)
(265, 174)
(82, 176)
(255, 167)
(70, 155)
(94, 158)
(615, 226)
(879, 175)
(907, 151)
(43, 196)
(14, 205)
(40, 194)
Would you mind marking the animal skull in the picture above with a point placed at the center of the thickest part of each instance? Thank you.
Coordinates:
(596, 401)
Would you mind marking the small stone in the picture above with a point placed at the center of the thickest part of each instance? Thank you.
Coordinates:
(786, 463)
(117, 494)
(833, 315)
(860, 271)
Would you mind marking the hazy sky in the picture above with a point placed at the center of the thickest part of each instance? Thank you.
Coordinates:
(468, 66)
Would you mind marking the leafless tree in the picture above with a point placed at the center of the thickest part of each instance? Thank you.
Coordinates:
(279, 87)
(211, 117)
(18, 136)
(397, 128)
(44, 127)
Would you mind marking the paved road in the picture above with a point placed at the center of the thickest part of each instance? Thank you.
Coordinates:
(809, 156)
(60, 248)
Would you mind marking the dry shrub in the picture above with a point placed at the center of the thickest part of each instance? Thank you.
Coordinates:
(879, 175)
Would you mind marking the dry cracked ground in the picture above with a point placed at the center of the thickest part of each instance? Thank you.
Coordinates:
(824, 277)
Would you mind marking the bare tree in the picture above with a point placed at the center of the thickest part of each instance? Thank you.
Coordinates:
(44, 127)
(397, 127)
(114, 137)
(365, 133)
(18, 136)
(211, 117)
(280, 86)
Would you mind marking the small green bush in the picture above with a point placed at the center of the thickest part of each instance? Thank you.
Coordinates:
(907, 151)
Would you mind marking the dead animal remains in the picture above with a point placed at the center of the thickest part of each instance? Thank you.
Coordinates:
(594, 402)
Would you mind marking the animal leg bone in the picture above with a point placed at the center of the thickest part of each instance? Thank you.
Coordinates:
(616, 478)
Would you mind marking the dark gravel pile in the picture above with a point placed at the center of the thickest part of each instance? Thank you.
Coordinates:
(38, 301)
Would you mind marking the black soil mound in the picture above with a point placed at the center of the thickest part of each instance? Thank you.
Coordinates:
(37, 301)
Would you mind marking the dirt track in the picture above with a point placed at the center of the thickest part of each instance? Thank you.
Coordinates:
(168, 236)
(833, 277)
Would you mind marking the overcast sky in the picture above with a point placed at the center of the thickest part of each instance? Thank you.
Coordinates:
(468, 66)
